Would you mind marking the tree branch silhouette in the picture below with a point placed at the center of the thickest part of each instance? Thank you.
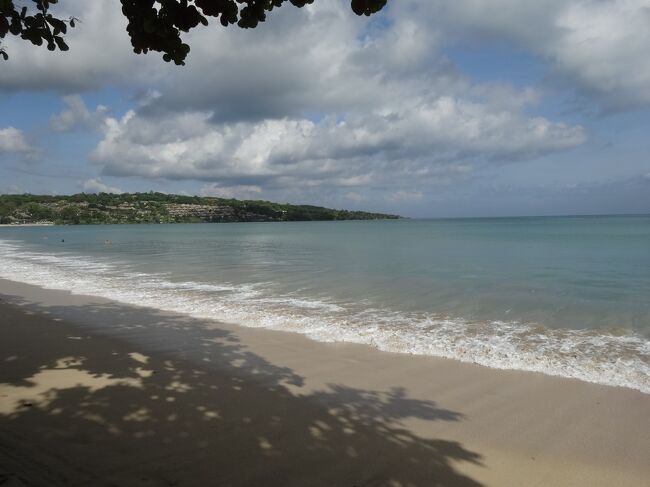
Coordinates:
(153, 25)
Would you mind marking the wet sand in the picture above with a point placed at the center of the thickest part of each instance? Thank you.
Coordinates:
(93, 392)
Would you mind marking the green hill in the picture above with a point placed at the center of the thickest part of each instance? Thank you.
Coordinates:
(106, 208)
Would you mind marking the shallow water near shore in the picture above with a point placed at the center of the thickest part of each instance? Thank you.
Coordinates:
(566, 296)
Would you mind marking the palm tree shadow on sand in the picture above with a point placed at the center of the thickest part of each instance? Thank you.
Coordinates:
(224, 418)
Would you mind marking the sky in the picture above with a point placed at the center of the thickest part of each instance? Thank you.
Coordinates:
(432, 108)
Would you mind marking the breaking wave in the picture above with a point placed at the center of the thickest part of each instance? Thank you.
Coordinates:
(590, 355)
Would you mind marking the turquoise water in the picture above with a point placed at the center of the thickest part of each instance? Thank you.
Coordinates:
(561, 295)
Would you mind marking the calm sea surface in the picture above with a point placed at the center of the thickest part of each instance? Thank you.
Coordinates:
(565, 296)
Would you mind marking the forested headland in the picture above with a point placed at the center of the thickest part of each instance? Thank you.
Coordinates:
(107, 208)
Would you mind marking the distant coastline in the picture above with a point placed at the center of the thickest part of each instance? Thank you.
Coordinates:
(108, 208)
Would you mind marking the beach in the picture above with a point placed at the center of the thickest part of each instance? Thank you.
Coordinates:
(94, 392)
(344, 243)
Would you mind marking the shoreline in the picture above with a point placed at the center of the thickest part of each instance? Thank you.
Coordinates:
(53, 224)
(501, 345)
(27, 224)
(463, 424)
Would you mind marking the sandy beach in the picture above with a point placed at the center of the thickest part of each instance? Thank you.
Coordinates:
(93, 392)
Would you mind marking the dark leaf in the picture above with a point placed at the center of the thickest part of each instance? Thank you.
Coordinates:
(16, 27)
(4, 26)
(59, 25)
(61, 43)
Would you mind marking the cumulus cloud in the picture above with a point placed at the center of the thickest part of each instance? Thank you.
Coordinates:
(336, 102)
(599, 47)
(420, 139)
(13, 140)
(317, 97)
(97, 186)
(77, 115)
(605, 49)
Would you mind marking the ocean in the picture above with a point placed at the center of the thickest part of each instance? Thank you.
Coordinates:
(565, 296)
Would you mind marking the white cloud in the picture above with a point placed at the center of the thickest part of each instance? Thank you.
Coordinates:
(13, 140)
(599, 46)
(423, 138)
(97, 186)
(76, 115)
(605, 48)
(385, 109)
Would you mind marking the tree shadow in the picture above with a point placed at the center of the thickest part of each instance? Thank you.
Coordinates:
(203, 412)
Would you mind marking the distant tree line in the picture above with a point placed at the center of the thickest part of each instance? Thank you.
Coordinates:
(152, 207)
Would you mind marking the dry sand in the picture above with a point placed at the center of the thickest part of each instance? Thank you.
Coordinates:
(96, 393)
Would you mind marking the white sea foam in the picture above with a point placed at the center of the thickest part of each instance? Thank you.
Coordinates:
(589, 355)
